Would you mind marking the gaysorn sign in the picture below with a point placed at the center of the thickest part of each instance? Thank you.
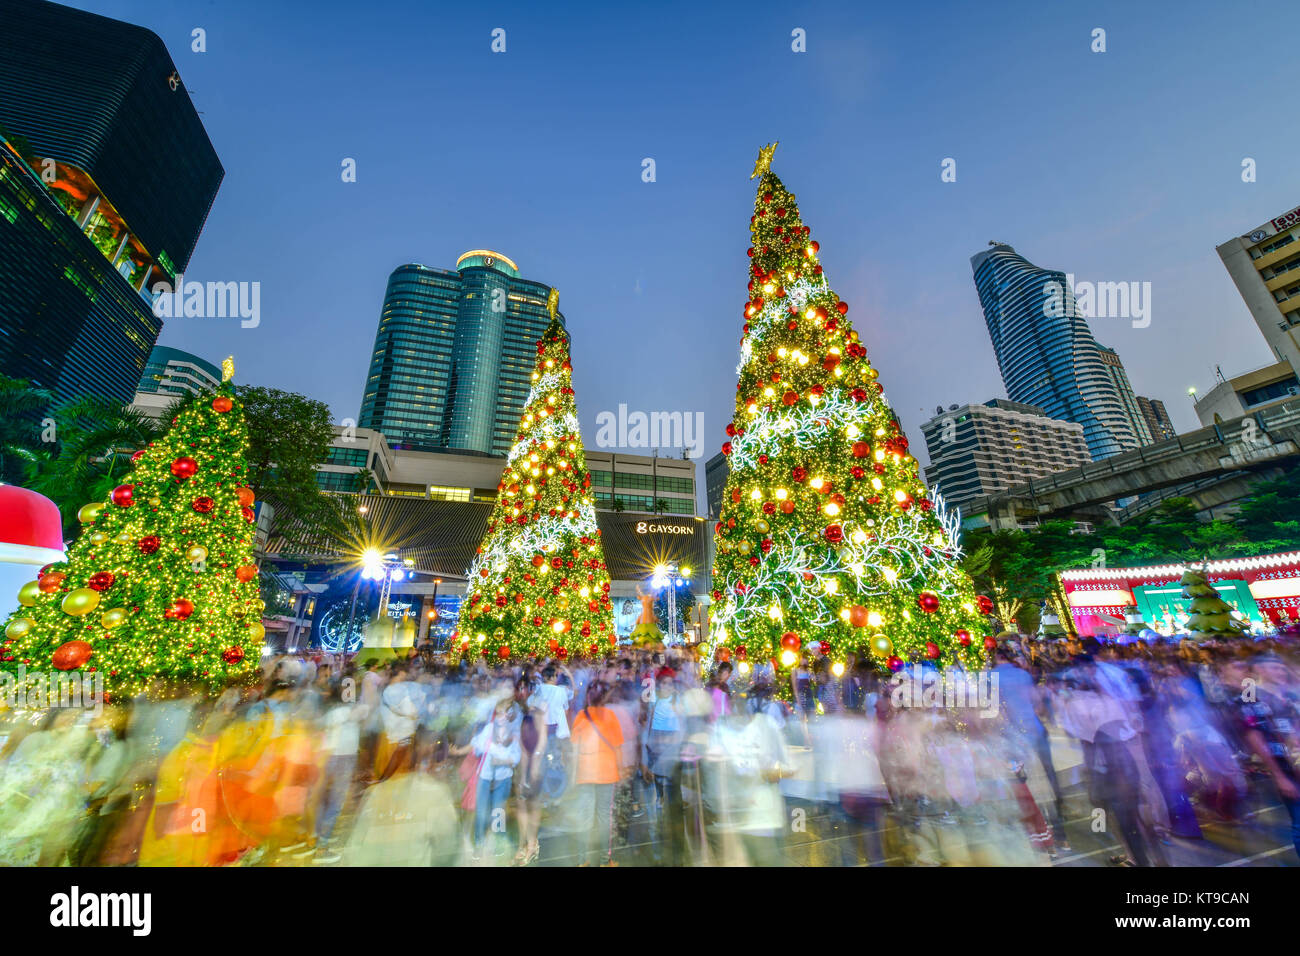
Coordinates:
(659, 527)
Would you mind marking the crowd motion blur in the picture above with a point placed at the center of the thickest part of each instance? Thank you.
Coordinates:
(1141, 755)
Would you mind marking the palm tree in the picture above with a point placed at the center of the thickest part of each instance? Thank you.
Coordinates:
(20, 433)
(96, 437)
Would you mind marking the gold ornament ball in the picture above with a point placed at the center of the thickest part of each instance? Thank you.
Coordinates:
(881, 645)
(19, 627)
(197, 553)
(154, 502)
(123, 538)
(256, 631)
(89, 512)
(745, 547)
(98, 537)
(29, 593)
(762, 526)
(81, 601)
(499, 635)
(113, 617)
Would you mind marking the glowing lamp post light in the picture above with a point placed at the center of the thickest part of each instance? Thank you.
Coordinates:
(670, 576)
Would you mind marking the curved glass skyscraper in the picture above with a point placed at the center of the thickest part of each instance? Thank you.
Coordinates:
(1046, 351)
(454, 354)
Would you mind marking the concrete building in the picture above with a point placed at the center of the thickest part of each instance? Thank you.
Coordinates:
(1157, 419)
(171, 373)
(1250, 392)
(1265, 266)
(979, 450)
(716, 471)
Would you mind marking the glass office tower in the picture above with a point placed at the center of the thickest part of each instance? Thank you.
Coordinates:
(1045, 350)
(454, 355)
(108, 176)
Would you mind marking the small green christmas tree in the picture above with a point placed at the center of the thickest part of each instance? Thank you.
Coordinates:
(161, 582)
(539, 584)
(828, 537)
(1208, 615)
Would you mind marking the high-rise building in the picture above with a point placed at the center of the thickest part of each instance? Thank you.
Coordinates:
(106, 179)
(1128, 401)
(1265, 266)
(1157, 419)
(174, 372)
(1045, 350)
(454, 353)
(716, 471)
(978, 450)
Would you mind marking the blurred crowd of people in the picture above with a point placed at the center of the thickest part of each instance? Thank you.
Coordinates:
(646, 758)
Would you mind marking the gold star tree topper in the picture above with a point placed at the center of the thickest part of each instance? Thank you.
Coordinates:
(553, 302)
(764, 161)
(227, 368)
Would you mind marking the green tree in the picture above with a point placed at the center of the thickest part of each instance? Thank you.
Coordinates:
(20, 427)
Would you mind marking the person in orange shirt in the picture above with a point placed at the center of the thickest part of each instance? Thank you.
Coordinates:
(597, 740)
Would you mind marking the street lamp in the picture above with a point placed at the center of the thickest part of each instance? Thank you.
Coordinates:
(669, 575)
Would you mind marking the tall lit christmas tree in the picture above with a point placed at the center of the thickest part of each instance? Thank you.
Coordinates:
(828, 539)
(539, 584)
(161, 582)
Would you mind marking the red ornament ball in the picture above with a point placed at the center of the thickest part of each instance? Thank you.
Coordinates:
(790, 641)
(503, 651)
(799, 473)
(184, 467)
(222, 404)
(233, 655)
(245, 573)
(858, 615)
(149, 544)
(123, 496)
(928, 602)
(71, 655)
(248, 514)
(963, 637)
(824, 646)
(787, 506)
(102, 580)
(789, 398)
(895, 663)
(990, 643)
(49, 583)
(246, 497)
(932, 650)
(861, 449)
(984, 603)
(180, 609)
(203, 504)
(834, 534)
(137, 455)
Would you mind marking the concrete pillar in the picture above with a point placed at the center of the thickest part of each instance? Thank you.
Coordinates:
(87, 211)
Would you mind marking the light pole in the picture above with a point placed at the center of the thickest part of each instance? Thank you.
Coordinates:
(671, 576)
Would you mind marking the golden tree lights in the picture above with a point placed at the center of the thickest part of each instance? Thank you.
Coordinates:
(161, 582)
(539, 584)
(828, 540)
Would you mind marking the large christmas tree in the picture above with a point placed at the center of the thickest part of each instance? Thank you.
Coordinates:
(828, 538)
(538, 584)
(161, 581)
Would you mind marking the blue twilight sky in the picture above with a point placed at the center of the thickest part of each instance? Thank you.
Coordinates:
(1123, 165)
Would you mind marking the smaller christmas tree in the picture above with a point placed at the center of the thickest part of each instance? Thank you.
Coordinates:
(1209, 616)
(161, 582)
(539, 584)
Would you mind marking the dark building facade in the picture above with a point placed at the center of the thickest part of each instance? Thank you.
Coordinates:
(454, 355)
(1157, 418)
(716, 472)
(98, 128)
